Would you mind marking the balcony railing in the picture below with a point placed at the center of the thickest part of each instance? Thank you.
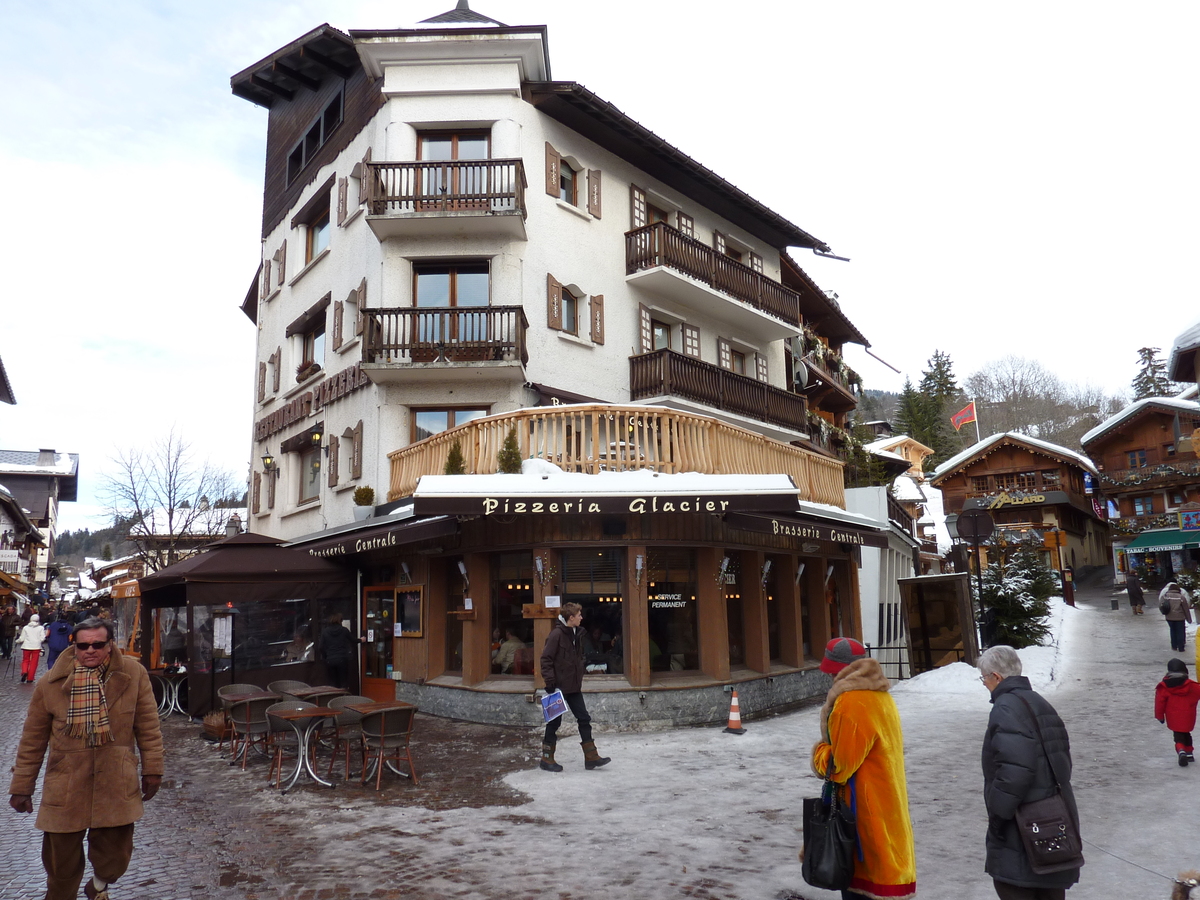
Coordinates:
(495, 186)
(667, 373)
(901, 516)
(445, 334)
(599, 437)
(661, 245)
(1137, 524)
(1169, 472)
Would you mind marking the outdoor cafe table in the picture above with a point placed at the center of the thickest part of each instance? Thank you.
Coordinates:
(304, 722)
(170, 682)
(231, 699)
(320, 695)
(378, 706)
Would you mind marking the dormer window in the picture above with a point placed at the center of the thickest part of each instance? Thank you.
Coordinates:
(315, 137)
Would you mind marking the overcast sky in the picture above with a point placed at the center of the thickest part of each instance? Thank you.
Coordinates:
(1005, 179)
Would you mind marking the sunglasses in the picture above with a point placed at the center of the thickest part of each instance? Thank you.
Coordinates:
(95, 645)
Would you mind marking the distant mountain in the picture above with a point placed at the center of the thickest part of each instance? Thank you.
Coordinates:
(876, 405)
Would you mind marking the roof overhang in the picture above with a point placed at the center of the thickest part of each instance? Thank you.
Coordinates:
(523, 44)
(299, 66)
(581, 110)
(1155, 541)
(819, 310)
(1181, 363)
(6, 391)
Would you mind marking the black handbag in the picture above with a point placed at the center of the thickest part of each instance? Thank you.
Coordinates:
(830, 838)
(1049, 834)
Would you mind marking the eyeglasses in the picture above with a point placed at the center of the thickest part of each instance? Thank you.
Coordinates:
(95, 645)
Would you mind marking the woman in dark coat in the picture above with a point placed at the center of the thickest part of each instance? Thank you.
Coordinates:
(1136, 599)
(562, 669)
(337, 649)
(1016, 770)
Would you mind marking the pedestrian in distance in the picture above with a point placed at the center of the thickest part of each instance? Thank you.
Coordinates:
(30, 641)
(861, 736)
(1026, 757)
(91, 711)
(1175, 701)
(10, 624)
(1176, 606)
(1137, 600)
(562, 668)
(58, 638)
(337, 650)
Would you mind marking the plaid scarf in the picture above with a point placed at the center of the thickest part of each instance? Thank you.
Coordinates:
(87, 711)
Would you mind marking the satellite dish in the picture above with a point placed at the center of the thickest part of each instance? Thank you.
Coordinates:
(800, 375)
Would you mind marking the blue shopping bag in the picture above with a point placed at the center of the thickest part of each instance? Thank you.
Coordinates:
(553, 706)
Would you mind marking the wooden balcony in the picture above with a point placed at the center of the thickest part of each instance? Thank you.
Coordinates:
(665, 373)
(1171, 473)
(900, 516)
(665, 260)
(1127, 525)
(828, 390)
(599, 437)
(444, 343)
(449, 198)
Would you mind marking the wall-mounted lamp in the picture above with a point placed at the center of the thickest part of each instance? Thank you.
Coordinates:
(268, 462)
(828, 572)
(766, 572)
(407, 574)
(537, 564)
(316, 438)
(800, 572)
(638, 563)
(462, 569)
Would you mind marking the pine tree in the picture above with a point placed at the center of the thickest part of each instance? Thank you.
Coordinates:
(910, 414)
(455, 464)
(1151, 379)
(863, 469)
(1016, 588)
(509, 458)
(106, 554)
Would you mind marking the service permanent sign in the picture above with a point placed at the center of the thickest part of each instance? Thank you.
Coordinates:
(639, 504)
(802, 530)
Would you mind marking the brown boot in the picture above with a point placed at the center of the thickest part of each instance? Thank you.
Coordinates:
(548, 762)
(591, 756)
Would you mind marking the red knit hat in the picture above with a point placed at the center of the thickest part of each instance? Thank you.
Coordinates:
(840, 652)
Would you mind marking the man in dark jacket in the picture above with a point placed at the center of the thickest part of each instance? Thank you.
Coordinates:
(337, 649)
(1017, 770)
(562, 669)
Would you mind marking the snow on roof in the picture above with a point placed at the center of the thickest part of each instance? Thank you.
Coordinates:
(1179, 365)
(544, 483)
(935, 510)
(836, 513)
(25, 462)
(975, 449)
(905, 487)
(894, 441)
(885, 454)
(1177, 404)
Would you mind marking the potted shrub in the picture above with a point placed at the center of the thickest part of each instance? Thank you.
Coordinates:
(364, 502)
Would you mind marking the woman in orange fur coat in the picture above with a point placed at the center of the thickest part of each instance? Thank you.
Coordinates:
(860, 729)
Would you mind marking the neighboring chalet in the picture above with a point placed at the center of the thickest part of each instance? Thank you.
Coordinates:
(19, 543)
(457, 248)
(40, 480)
(1152, 486)
(1033, 490)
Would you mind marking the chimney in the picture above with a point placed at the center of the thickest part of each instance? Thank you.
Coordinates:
(47, 457)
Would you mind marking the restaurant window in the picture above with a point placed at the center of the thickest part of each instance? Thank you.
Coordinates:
(1051, 478)
(315, 137)
(672, 618)
(1006, 481)
(805, 634)
(979, 484)
(454, 626)
(428, 422)
(1136, 459)
(735, 622)
(266, 633)
(512, 633)
(310, 474)
(771, 590)
(1026, 481)
(592, 578)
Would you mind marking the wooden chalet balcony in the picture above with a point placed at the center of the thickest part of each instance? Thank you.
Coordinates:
(446, 198)
(1136, 524)
(827, 389)
(444, 343)
(600, 437)
(1173, 472)
(665, 260)
(901, 516)
(665, 373)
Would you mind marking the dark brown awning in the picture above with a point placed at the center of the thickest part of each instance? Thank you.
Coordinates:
(308, 318)
(377, 537)
(808, 528)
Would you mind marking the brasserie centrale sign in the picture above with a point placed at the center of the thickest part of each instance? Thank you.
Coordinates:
(804, 530)
(625, 504)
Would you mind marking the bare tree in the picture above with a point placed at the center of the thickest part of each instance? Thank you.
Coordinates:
(167, 499)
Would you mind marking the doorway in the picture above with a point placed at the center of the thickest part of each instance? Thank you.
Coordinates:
(379, 618)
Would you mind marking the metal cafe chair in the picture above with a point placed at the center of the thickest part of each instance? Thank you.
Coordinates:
(222, 694)
(250, 726)
(385, 739)
(285, 688)
(347, 729)
(282, 736)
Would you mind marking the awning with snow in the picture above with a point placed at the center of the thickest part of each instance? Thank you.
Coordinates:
(804, 528)
(1154, 541)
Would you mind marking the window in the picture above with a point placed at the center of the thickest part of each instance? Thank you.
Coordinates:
(451, 284)
(1137, 459)
(428, 422)
(310, 474)
(1168, 451)
(672, 617)
(655, 214)
(737, 362)
(568, 184)
(592, 578)
(317, 135)
(979, 483)
(1006, 481)
(314, 348)
(1026, 481)
(1051, 478)
(1143, 506)
(660, 335)
(316, 236)
(1178, 498)
(687, 225)
(570, 312)
(455, 187)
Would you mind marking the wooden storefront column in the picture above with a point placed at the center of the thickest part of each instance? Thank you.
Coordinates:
(637, 619)
(711, 614)
(818, 610)
(541, 627)
(847, 575)
(787, 597)
(754, 612)
(435, 635)
(477, 632)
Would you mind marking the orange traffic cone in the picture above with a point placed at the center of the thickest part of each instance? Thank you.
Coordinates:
(735, 717)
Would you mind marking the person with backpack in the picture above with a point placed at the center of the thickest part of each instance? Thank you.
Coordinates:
(1175, 701)
(1176, 606)
(58, 639)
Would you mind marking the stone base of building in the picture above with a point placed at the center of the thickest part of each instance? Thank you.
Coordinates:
(614, 706)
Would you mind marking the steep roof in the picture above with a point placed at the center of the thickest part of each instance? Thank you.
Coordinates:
(6, 391)
(1168, 405)
(300, 65)
(461, 13)
(1038, 446)
(1181, 364)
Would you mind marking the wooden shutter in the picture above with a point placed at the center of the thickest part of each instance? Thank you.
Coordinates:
(598, 318)
(756, 262)
(687, 225)
(553, 170)
(761, 363)
(333, 460)
(637, 206)
(553, 303)
(272, 480)
(255, 494)
(719, 242)
(645, 328)
(282, 263)
(338, 310)
(593, 204)
(724, 354)
(343, 195)
(262, 382)
(362, 304)
(356, 454)
(276, 359)
(266, 279)
(691, 340)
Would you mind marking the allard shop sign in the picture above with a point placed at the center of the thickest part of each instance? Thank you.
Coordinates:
(712, 504)
(332, 389)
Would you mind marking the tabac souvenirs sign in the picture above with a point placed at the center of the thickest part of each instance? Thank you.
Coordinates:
(637, 504)
(804, 530)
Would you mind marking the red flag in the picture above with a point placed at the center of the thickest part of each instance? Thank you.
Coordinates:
(963, 416)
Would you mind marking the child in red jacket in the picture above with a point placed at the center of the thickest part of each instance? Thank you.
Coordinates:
(1175, 701)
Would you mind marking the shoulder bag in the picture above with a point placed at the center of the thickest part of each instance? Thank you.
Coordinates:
(1049, 834)
(830, 837)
